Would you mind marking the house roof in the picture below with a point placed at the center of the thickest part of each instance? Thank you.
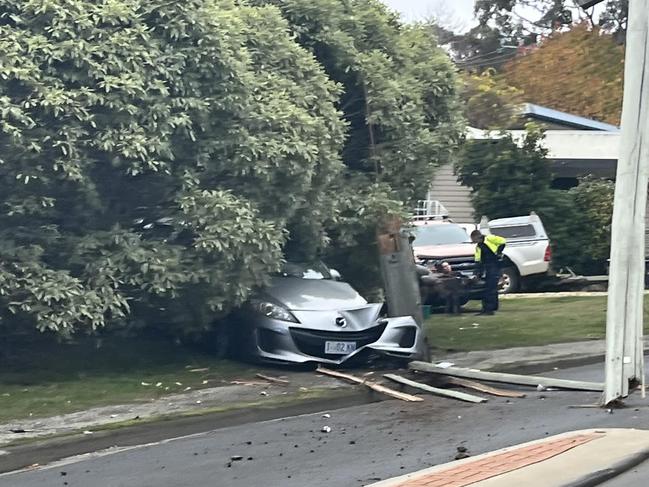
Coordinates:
(564, 144)
(562, 118)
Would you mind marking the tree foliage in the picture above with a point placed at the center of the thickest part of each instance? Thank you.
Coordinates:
(154, 155)
(506, 176)
(514, 18)
(490, 103)
(580, 71)
(400, 101)
(593, 200)
(160, 158)
(482, 47)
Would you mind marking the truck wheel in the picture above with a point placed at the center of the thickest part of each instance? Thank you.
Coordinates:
(510, 281)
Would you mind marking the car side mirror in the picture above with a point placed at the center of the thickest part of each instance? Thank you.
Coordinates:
(335, 275)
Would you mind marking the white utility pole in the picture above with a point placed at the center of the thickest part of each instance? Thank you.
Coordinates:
(624, 319)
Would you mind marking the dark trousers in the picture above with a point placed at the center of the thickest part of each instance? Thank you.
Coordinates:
(490, 297)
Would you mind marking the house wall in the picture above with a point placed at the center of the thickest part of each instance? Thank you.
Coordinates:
(455, 197)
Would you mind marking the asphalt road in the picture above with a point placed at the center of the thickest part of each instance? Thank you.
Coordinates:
(366, 443)
(637, 477)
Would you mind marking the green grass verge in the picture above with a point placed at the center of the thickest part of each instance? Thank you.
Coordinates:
(522, 322)
(47, 379)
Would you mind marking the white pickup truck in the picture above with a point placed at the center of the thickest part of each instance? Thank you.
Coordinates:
(527, 254)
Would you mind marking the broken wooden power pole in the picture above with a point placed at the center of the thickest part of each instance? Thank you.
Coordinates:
(462, 396)
(477, 386)
(399, 272)
(624, 320)
(525, 380)
(372, 385)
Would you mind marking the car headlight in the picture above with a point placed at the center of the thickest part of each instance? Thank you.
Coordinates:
(274, 311)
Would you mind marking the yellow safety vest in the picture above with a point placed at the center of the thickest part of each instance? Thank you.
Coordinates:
(491, 241)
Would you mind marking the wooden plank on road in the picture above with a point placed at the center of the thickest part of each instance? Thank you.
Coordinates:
(524, 380)
(434, 390)
(477, 386)
(274, 380)
(375, 387)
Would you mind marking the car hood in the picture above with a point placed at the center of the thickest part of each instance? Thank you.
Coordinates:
(445, 251)
(314, 295)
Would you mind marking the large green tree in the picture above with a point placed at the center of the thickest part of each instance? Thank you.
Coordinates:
(579, 71)
(593, 201)
(400, 100)
(489, 102)
(506, 176)
(154, 157)
(529, 19)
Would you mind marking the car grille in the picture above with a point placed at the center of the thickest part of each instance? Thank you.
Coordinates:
(312, 342)
(463, 265)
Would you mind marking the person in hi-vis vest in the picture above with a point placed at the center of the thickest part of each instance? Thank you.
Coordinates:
(488, 256)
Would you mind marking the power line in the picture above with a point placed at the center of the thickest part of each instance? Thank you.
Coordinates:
(480, 56)
(486, 57)
(486, 62)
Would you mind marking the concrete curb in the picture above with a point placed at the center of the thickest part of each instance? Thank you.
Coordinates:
(561, 470)
(414, 476)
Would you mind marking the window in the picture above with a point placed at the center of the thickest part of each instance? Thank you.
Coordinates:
(312, 271)
(440, 234)
(517, 231)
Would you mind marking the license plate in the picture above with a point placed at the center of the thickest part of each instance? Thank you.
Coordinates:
(340, 348)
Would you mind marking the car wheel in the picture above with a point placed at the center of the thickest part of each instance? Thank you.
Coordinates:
(509, 281)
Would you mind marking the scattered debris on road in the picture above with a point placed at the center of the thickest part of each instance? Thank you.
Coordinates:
(247, 383)
(435, 390)
(477, 386)
(462, 453)
(372, 385)
(326, 429)
(273, 380)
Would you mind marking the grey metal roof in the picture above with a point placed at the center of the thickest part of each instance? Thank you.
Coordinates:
(551, 115)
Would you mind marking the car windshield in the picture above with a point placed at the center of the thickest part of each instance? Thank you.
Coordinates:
(317, 271)
(440, 234)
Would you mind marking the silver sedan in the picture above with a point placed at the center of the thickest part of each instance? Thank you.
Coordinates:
(307, 315)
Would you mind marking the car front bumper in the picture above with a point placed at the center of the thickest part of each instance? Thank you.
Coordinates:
(281, 342)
